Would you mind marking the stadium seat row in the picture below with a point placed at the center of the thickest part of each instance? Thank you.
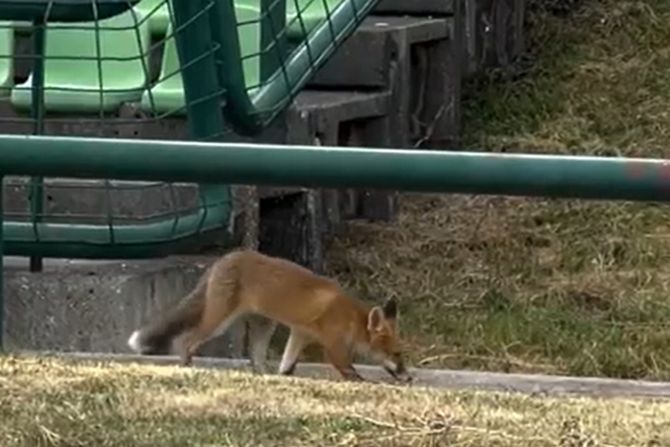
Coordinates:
(87, 74)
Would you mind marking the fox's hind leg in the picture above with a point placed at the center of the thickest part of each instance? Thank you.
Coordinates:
(220, 312)
(261, 330)
(193, 339)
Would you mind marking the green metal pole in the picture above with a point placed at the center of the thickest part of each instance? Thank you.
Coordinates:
(196, 54)
(37, 112)
(2, 270)
(274, 43)
(205, 117)
(608, 178)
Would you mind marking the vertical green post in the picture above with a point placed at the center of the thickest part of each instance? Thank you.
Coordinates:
(196, 56)
(224, 29)
(273, 37)
(2, 269)
(202, 91)
(37, 111)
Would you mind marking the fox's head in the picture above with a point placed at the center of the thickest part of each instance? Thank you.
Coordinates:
(384, 343)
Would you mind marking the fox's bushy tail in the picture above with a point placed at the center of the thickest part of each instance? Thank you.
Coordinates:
(156, 337)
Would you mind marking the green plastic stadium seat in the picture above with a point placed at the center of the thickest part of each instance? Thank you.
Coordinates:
(73, 81)
(313, 12)
(168, 93)
(6, 58)
(250, 44)
(157, 13)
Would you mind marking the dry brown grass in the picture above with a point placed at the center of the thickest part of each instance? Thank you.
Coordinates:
(558, 286)
(49, 402)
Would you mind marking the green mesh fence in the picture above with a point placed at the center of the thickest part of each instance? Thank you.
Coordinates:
(281, 44)
(108, 69)
(158, 69)
(104, 76)
(124, 69)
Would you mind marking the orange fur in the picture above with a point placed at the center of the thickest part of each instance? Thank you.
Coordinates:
(270, 290)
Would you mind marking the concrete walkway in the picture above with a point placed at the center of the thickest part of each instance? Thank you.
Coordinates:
(451, 379)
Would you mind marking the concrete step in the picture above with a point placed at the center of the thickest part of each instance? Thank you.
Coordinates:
(366, 58)
(494, 33)
(418, 7)
(494, 29)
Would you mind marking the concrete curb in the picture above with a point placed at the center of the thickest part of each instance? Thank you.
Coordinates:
(449, 379)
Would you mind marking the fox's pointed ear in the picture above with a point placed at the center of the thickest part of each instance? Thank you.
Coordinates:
(375, 318)
(390, 309)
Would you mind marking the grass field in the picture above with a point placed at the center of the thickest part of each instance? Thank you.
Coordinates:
(556, 286)
(49, 402)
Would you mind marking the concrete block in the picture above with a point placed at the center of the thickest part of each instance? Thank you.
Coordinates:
(415, 7)
(95, 305)
(370, 44)
(366, 58)
(494, 33)
(435, 86)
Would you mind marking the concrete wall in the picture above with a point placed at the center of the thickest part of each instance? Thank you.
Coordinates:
(95, 306)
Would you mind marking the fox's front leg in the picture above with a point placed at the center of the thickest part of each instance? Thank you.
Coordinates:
(260, 333)
(186, 351)
(187, 345)
(342, 360)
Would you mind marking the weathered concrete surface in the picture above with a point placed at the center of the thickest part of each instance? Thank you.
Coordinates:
(522, 383)
(494, 33)
(95, 306)
(437, 7)
(91, 201)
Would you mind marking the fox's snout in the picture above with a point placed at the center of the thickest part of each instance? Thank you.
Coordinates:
(396, 368)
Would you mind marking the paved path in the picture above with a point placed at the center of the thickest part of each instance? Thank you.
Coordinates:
(525, 383)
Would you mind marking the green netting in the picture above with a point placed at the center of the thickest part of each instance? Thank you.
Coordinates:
(91, 67)
(304, 15)
(160, 69)
(88, 78)
(166, 96)
(296, 38)
(167, 93)
(159, 13)
(263, 53)
(97, 73)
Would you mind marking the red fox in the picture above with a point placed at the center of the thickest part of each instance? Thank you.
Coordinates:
(271, 290)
